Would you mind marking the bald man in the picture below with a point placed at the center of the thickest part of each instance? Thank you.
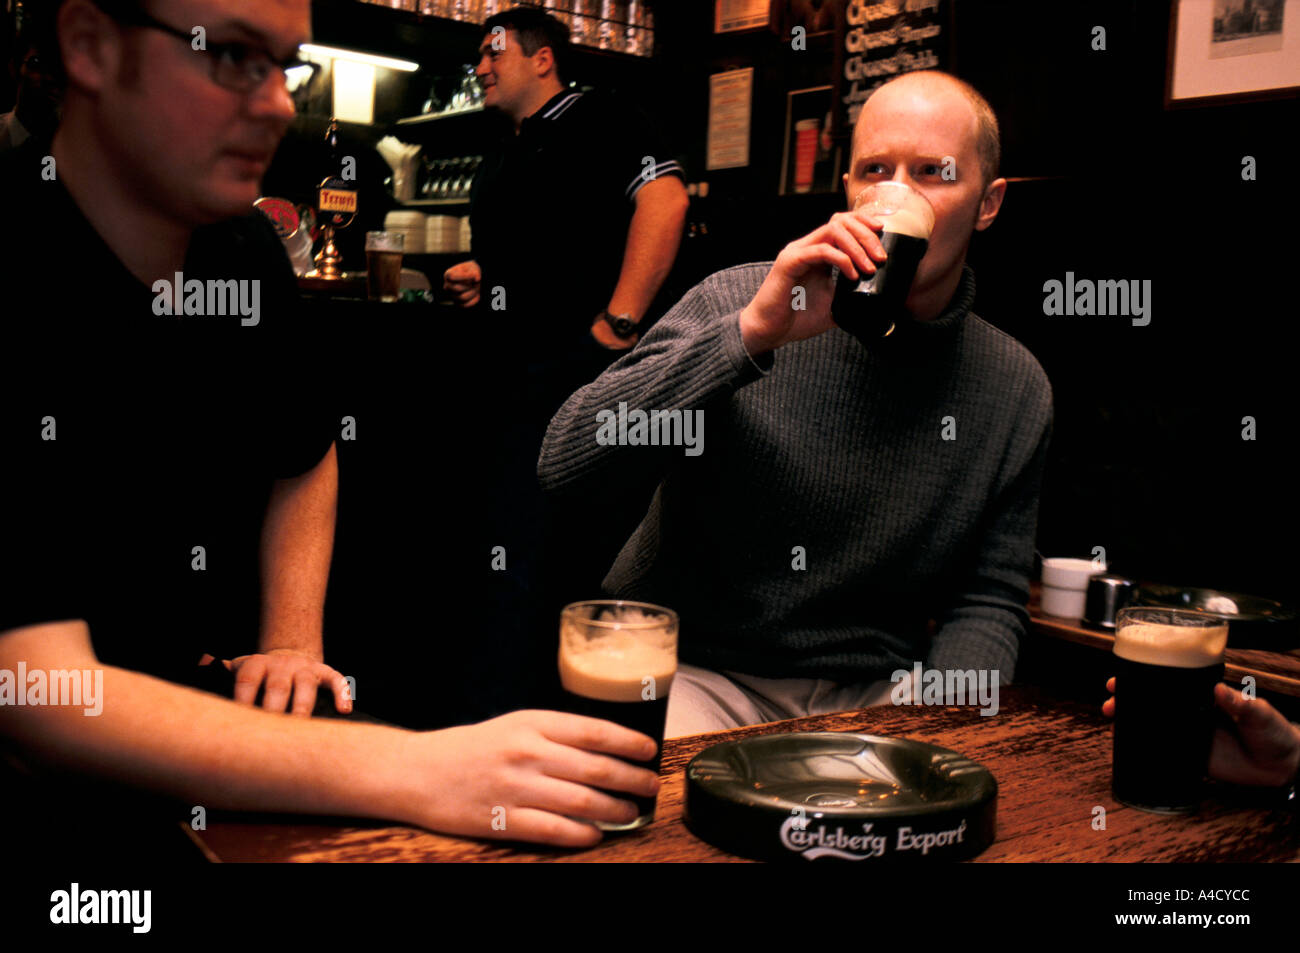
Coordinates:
(857, 508)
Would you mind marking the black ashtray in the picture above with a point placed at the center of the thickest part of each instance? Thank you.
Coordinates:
(840, 796)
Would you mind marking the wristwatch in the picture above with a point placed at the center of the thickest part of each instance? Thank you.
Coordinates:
(621, 324)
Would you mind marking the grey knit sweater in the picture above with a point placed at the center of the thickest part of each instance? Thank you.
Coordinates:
(845, 496)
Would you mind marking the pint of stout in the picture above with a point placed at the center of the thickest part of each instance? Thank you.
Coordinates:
(384, 265)
(1167, 662)
(617, 662)
(869, 307)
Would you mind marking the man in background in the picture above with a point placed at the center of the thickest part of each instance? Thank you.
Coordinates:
(576, 223)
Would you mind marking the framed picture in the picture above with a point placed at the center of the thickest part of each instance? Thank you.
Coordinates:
(1229, 51)
(731, 16)
(812, 158)
(731, 97)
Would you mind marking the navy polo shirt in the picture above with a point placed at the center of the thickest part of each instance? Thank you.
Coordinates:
(140, 449)
(550, 215)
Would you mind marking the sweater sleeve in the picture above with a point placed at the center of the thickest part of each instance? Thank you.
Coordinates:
(691, 358)
(987, 618)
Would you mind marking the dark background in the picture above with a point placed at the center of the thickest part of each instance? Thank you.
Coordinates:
(1147, 458)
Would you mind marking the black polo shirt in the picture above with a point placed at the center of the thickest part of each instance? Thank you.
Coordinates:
(550, 215)
(139, 447)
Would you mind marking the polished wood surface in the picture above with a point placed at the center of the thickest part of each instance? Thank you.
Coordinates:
(351, 285)
(1051, 759)
(1273, 671)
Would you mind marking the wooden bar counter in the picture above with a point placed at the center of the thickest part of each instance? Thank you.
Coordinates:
(1050, 756)
(1277, 672)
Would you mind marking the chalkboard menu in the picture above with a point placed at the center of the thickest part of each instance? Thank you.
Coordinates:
(881, 40)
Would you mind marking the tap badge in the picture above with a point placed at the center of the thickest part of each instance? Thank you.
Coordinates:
(282, 214)
(338, 202)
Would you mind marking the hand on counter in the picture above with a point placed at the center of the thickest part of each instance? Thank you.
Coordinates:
(463, 280)
(1262, 748)
(285, 672)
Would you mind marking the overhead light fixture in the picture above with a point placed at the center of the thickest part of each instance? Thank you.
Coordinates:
(354, 91)
(388, 62)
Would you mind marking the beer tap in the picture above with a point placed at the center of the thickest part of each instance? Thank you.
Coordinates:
(337, 202)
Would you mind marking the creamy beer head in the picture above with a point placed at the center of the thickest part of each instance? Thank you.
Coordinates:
(900, 208)
(617, 653)
(1173, 646)
(385, 241)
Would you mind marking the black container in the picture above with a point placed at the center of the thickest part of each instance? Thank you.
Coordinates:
(1107, 594)
(840, 796)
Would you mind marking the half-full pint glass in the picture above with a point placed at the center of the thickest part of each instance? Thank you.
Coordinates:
(1167, 662)
(869, 307)
(384, 265)
(617, 662)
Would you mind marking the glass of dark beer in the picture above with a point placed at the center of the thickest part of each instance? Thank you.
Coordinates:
(384, 265)
(869, 307)
(617, 662)
(1167, 662)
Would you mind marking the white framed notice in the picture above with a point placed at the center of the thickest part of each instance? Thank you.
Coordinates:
(1225, 51)
(731, 96)
(732, 15)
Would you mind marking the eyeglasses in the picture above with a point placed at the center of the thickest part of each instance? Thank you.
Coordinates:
(238, 67)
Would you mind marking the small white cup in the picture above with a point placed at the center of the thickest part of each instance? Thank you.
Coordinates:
(1065, 585)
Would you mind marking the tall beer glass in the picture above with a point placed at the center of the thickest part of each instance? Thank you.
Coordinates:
(869, 307)
(1167, 662)
(384, 265)
(617, 662)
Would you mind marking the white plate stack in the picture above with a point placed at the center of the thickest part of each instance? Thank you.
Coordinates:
(413, 227)
(442, 234)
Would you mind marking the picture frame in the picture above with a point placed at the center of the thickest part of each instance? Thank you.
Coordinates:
(731, 105)
(813, 157)
(740, 16)
(1232, 51)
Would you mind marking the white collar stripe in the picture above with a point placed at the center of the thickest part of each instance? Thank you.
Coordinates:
(637, 181)
(559, 108)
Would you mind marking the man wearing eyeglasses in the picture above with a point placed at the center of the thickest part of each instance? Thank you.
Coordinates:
(168, 132)
(141, 433)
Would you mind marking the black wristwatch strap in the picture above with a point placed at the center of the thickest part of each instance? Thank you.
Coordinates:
(621, 324)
